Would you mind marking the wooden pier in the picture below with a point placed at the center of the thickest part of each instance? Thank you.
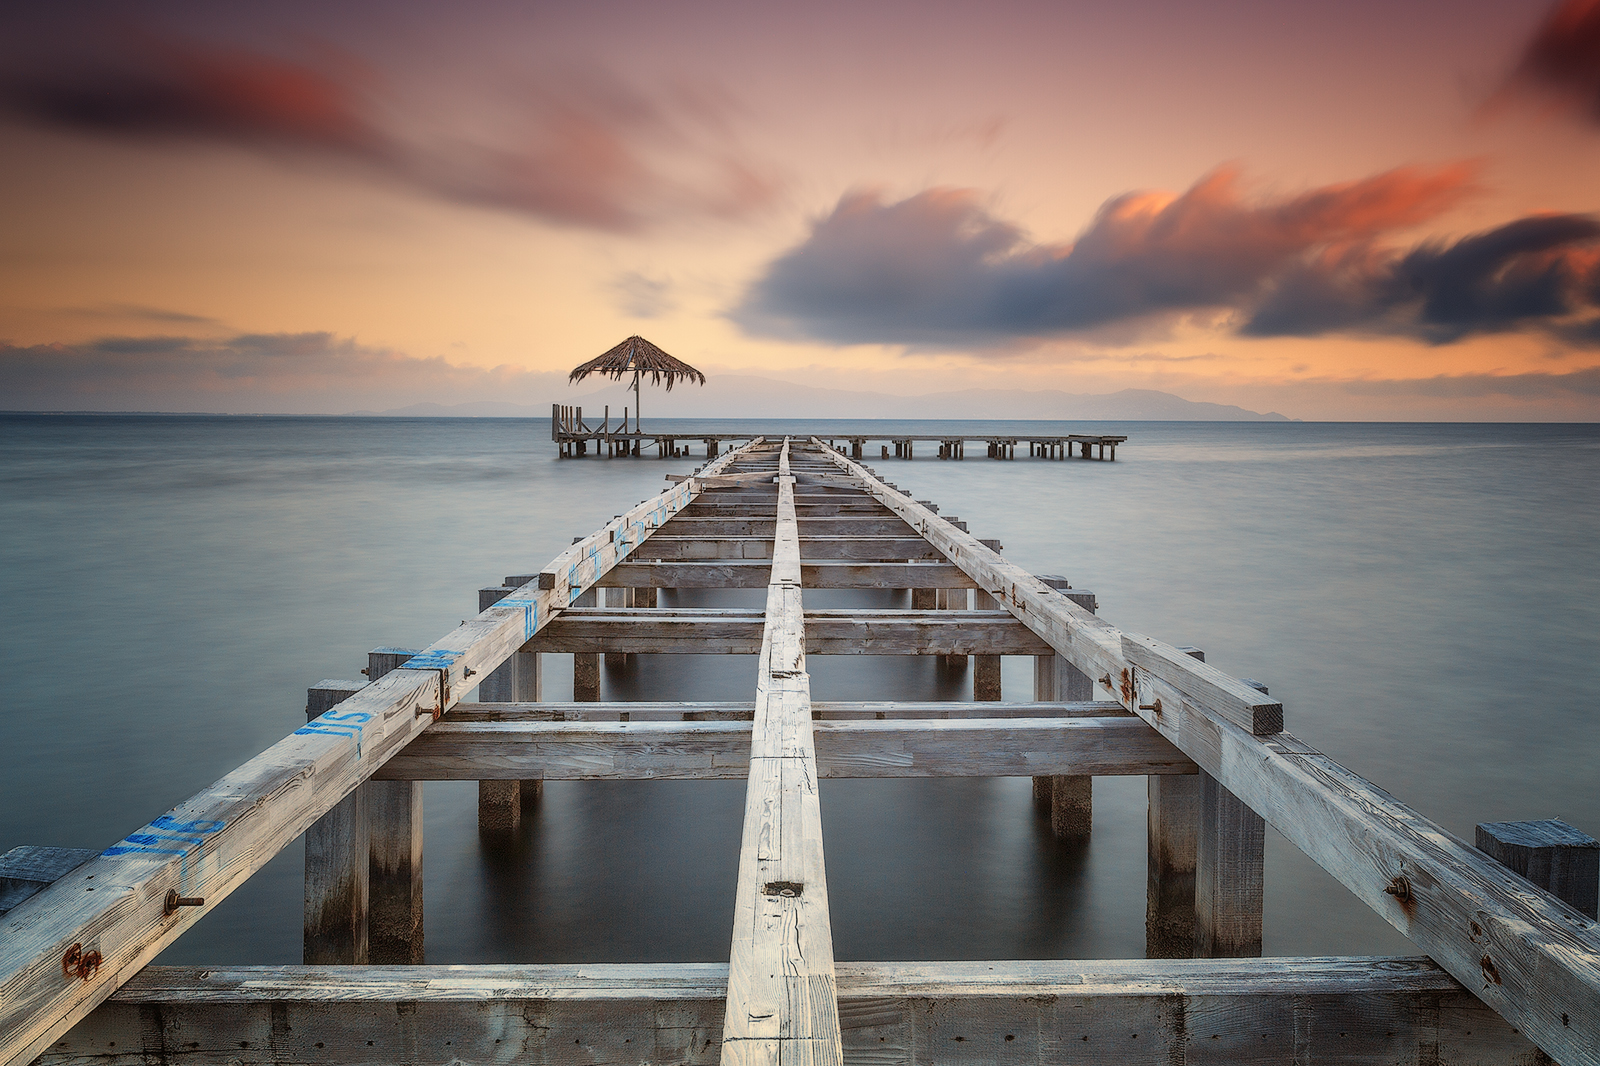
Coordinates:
(1508, 972)
(574, 436)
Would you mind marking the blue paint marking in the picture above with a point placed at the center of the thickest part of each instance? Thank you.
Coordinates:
(435, 659)
(530, 615)
(165, 836)
(307, 730)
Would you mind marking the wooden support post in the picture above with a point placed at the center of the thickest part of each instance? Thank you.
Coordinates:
(985, 668)
(586, 665)
(394, 812)
(517, 680)
(1230, 861)
(617, 597)
(1563, 861)
(1071, 799)
(1173, 825)
(336, 872)
(952, 600)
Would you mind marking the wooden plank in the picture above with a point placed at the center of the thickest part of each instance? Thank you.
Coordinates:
(717, 631)
(1525, 954)
(454, 750)
(1249, 1012)
(781, 1000)
(750, 573)
(113, 907)
(876, 525)
(866, 549)
(826, 710)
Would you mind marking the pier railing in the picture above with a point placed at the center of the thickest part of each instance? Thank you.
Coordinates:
(1507, 963)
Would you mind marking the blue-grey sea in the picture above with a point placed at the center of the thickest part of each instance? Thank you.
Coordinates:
(1424, 598)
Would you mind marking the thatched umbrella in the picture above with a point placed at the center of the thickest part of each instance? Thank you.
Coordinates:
(638, 356)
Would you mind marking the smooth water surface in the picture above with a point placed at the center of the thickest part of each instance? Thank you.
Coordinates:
(1424, 598)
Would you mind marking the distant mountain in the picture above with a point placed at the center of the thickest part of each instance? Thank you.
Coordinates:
(748, 396)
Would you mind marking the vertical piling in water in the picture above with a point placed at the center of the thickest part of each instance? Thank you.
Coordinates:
(1230, 860)
(517, 680)
(586, 665)
(337, 885)
(1173, 826)
(1071, 797)
(394, 809)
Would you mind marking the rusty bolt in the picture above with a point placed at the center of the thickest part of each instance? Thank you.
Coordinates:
(174, 901)
(1400, 889)
(1156, 706)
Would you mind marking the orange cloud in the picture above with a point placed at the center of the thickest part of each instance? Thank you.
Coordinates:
(584, 151)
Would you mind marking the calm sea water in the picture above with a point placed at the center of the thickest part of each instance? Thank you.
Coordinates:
(1425, 599)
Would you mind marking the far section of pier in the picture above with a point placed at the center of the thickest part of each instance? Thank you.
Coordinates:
(574, 436)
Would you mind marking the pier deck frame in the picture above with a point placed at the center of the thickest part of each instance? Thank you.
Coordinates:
(1508, 962)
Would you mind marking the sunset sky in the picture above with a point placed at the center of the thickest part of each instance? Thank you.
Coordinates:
(1360, 210)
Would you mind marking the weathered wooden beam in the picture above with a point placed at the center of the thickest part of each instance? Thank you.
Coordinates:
(113, 908)
(888, 525)
(1525, 954)
(1242, 1012)
(702, 631)
(865, 549)
(640, 750)
(824, 710)
(781, 1002)
(752, 573)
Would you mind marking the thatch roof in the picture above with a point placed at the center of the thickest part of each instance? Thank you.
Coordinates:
(637, 355)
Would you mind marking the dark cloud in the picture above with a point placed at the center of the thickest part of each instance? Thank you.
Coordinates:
(249, 373)
(1536, 272)
(1562, 61)
(580, 150)
(938, 268)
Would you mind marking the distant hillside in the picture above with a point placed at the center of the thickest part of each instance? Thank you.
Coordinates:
(748, 396)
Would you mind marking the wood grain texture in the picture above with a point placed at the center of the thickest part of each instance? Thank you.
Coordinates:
(752, 573)
(1251, 1012)
(112, 908)
(1529, 957)
(823, 710)
(781, 1003)
(28, 869)
(722, 631)
(1229, 875)
(711, 750)
(868, 549)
